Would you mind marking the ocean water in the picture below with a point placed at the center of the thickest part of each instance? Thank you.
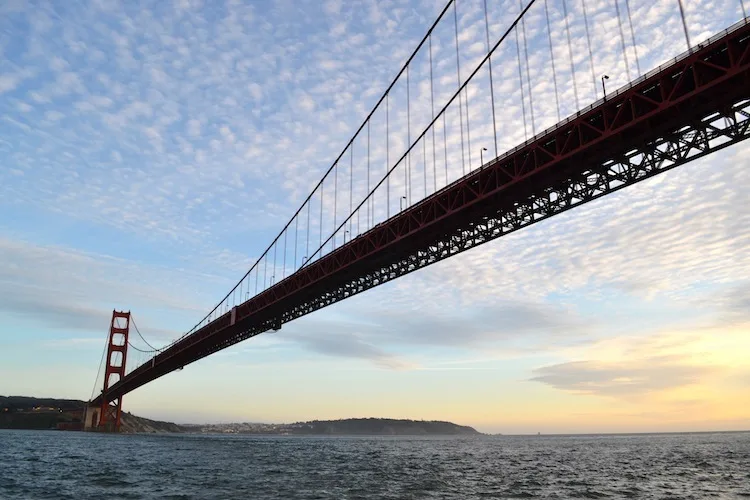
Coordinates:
(74, 465)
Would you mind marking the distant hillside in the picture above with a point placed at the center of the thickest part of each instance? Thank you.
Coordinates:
(23, 402)
(20, 412)
(346, 427)
(380, 427)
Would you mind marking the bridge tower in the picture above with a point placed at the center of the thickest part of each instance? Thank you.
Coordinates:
(117, 350)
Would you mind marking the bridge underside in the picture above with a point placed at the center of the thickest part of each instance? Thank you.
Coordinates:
(691, 108)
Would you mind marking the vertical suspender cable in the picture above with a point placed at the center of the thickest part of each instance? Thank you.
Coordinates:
(466, 100)
(570, 55)
(445, 146)
(622, 38)
(492, 87)
(369, 223)
(320, 227)
(744, 12)
(551, 56)
(458, 79)
(520, 81)
(273, 275)
(432, 106)
(591, 54)
(351, 190)
(684, 25)
(283, 269)
(407, 163)
(424, 164)
(335, 199)
(528, 74)
(468, 126)
(307, 248)
(296, 234)
(632, 37)
(387, 160)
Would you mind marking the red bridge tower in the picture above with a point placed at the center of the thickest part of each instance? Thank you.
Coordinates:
(117, 350)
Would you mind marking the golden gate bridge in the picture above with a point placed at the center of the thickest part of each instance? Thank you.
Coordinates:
(407, 190)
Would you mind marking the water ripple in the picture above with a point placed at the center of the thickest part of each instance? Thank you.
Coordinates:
(74, 465)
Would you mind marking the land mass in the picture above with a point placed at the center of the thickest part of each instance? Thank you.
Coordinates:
(20, 412)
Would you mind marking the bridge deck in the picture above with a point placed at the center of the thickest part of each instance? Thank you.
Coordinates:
(695, 105)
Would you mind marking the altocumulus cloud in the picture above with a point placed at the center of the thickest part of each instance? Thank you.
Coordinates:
(73, 290)
(350, 346)
(360, 329)
(190, 107)
(622, 379)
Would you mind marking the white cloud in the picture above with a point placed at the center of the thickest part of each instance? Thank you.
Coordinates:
(54, 116)
(255, 91)
(627, 379)
(8, 83)
(332, 7)
(73, 290)
(194, 128)
(306, 102)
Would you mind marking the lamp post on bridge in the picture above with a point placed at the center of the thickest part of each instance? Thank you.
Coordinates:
(401, 203)
(481, 157)
(604, 89)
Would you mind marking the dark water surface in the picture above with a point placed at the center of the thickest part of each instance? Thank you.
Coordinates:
(75, 465)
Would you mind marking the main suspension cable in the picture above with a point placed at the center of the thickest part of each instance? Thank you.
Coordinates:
(132, 320)
(140, 350)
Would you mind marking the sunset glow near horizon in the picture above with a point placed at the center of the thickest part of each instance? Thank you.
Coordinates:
(151, 155)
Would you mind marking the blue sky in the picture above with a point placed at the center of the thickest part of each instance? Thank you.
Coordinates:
(152, 150)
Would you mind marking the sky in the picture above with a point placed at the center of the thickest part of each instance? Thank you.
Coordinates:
(152, 150)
